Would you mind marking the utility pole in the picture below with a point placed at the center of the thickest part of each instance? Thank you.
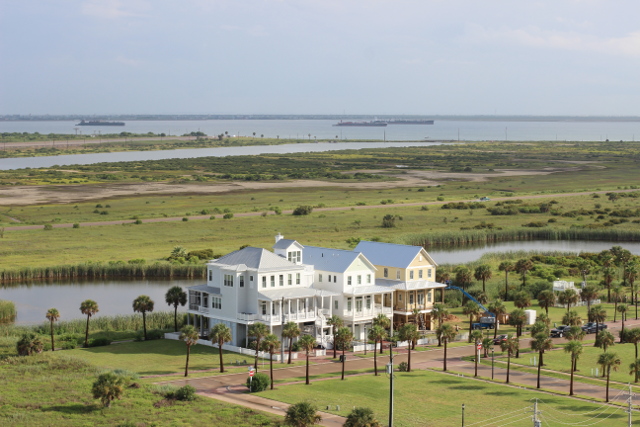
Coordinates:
(536, 421)
(282, 340)
(463, 415)
(630, 407)
(390, 372)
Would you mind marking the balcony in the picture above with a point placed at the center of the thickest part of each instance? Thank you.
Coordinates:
(371, 312)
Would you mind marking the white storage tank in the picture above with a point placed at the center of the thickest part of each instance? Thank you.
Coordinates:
(530, 315)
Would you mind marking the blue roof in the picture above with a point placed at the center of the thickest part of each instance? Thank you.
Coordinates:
(285, 243)
(326, 259)
(390, 254)
(256, 258)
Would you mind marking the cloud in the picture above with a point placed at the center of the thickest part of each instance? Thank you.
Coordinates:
(626, 45)
(113, 9)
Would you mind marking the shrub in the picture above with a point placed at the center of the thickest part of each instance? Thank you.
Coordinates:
(228, 215)
(30, 343)
(186, 393)
(138, 221)
(440, 199)
(48, 227)
(389, 221)
(99, 342)
(202, 254)
(76, 225)
(303, 414)
(108, 387)
(403, 366)
(155, 334)
(260, 382)
(185, 219)
(362, 417)
(303, 210)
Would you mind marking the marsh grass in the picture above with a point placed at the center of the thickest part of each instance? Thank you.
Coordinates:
(7, 311)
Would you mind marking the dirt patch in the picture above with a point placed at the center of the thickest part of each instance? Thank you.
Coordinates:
(41, 194)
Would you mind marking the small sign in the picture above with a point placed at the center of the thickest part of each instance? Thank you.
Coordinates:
(479, 347)
(251, 373)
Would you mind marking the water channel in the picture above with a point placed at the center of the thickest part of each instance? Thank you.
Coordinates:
(116, 296)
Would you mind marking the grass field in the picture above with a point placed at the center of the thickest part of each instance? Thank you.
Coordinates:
(429, 398)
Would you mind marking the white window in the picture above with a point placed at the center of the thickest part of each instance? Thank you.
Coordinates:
(411, 275)
(210, 275)
(242, 281)
(349, 280)
(368, 302)
(297, 278)
(348, 304)
(335, 305)
(429, 273)
(420, 257)
(429, 296)
(359, 304)
(421, 298)
(273, 281)
(359, 279)
(386, 272)
(319, 277)
(419, 274)
(264, 281)
(228, 280)
(294, 256)
(289, 279)
(411, 298)
(264, 308)
(216, 302)
(398, 274)
(368, 278)
(281, 280)
(251, 278)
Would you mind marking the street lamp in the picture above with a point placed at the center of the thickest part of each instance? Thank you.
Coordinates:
(492, 352)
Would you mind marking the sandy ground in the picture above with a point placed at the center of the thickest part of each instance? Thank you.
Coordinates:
(29, 195)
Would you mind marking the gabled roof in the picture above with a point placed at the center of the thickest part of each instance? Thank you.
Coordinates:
(205, 288)
(285, 243)
(256, 259)
(391, 254)
(335, 260)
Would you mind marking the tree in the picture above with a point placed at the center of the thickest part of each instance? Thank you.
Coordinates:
(632, 270)
(574, 333)
(291, 330)
(88, 308)
(343, 337)
(383, 321)
(175, 296)
(506, 266)
(608, 360)
(598, 314)
(463, 277)
(270, 344)
(518, 319)
(336, 323)
(541, 343)
(571, 318)
(523, 266)
(439, 313)
(633, 336)
(512, 346)
(220, 334)
(539, 327)
(568, 297)
(546, 299)
(447, 333)
(483, 272)
(487, 343)
(302, 414)
(588, 294)
(52, 316)
(604, 340)
(522, 299)
(361, 417)
(143, 304)
(617, 293)
(108, 387)
(498, 309)
(608, 274)
(258, 331)
(376, 333)
(307, 343)
(622, 309)
(28, 344)
(472, 310)
(409, 332)
(477, 337)
(575, 349)
(190, 336)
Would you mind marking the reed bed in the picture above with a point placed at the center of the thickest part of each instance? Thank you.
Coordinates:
(462, 238)
(105, 271)
(7, 311)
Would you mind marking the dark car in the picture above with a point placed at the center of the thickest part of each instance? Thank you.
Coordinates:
(559, 331)
(500, 339)
(590, 327)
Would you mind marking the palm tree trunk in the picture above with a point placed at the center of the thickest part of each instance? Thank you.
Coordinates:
(343, 363)
(186, 366)
(495, 328)
(307, 367)
(86, 334)
(508, 365)
(375, 362)
(255, 363)
(571, 381)
(470, 326)
(607, 395)
(220, 353)
(175, 317)
(334, 347)
(291, 345)
(445, 356)
(636, 345)
(409, 359)
(476, 367)
(506, 285)
(483, 288)
(539, 366)
(271, 367)
(53, 345)
(144, 324)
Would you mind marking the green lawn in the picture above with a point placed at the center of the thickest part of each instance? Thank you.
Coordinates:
(430, 398)
(55, 390)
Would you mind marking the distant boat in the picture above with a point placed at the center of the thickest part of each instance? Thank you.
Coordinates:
(409, 122)
(375, 123)
(99, 123)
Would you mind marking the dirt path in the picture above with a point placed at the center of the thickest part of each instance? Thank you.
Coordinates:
(342, 208)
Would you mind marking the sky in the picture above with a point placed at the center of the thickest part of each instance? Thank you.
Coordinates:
(424, 57)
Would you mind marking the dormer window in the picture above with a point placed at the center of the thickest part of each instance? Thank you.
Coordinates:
(398, 274)
(411, 275)
(294, 256)
(348, 280)
(386, 272)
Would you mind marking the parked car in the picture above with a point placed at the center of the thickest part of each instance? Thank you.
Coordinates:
(590, 327)
(500, 339)
(484, 199)
(559, 331)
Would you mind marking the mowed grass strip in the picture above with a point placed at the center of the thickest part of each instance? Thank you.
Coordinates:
(424, 398)
(163, 357)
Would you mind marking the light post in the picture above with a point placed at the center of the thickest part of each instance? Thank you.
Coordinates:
(492, 352)
(390, 373)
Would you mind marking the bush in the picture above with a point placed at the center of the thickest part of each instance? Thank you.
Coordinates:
(76, 225)
(185, 219)
(362, 417)
(389, 221)
(186, 393)
(48, 227)
(303, 210)
(228, 215)
(202, 254)
(403, 366)
(155, 334)
(260, 382)
(99, 342)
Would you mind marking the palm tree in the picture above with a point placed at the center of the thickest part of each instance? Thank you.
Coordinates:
(291, 330)
(447, 333)
(486, 345)
(608, 273)
(588, 294)
(189, 334)
(568, 297)
(477, 337)
(142, 304)
(361, 417)
(376, 333)
(409, 332)
(52, 316)
(383, 321)
(633, 336)
(439, 313)
(307, 343)
(472, 310)
(617, 293)
(29, 344)
(483, 272)
(522, 299)
(598, 314)
(220, 334)
(175, 296)
(632, 272)
(635, 369)
(575, 349)
(506, 266)
(258, 331)
(302, 414)
(88, 308)
(571, 318)
(546, 299)
(463, 277)
(512, 346)
(108, 387)
(622, 309)
(343, 337)
(539, 327)
(541, 343)
(522, 266)
(270, 343)
(518, 319)
(336, 323)
(498, 309)
(608, 360)
(604, 340)
(574, 333)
